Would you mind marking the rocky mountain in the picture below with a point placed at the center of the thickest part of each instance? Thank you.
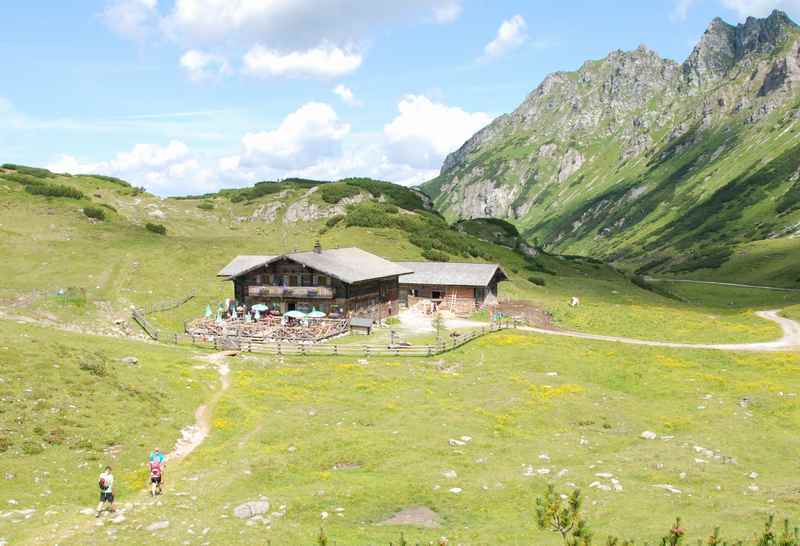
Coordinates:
(637, 158)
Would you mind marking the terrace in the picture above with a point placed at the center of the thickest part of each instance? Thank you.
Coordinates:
(315, 292)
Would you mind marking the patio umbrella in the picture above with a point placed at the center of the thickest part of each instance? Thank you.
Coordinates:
(295, 314)
(316, 314)
(248, 318)
(257, 315)
(219, 317)
(208, 311)
(260, 307)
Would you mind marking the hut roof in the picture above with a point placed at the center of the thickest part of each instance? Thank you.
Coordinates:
(350, 265)
(451, 273)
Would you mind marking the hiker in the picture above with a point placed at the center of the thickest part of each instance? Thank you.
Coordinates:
(106, 483)
(156, 455)
(155, 477)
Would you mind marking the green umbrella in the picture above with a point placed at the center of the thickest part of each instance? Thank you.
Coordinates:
(260, 307)
(316, 314)
(219, 317)
(295, 314)
(257, 315)
(208, 311)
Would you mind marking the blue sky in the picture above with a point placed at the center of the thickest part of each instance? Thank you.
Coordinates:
(187, 96)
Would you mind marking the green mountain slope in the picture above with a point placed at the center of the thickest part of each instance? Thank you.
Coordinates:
(636, 158)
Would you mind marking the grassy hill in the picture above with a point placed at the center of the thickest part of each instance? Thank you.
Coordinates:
(361, 439)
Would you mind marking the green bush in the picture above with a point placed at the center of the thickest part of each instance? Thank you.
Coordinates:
(5, 444)
(95, 364)
(55, 190)
(333, 220)
(434, 255)
(94, 212)
(31, 171)
(156, 228)
(206, 205)
(398, 195)
(29, 447)
(112, 179)
(109, 207)
(333, 193)
(24, 179)
(538, 281)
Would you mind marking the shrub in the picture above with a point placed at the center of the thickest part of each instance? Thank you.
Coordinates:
(55, 437)
(333, 220)
(95, 364)
(333, 193)
(434, 255)
(54, 190)
(5, 443)
(156, 228)
(29, 447)
(399, 195)
(31, 171)
(112, 179)
(206, 205)
(94, 212)
(538, 281)
(109, 207)
(24, 179)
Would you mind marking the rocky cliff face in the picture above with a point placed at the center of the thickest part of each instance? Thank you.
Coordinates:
(611, 158)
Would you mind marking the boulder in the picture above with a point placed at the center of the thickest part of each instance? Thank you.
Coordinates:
(649, 435)
(251, 508)
(130, 360)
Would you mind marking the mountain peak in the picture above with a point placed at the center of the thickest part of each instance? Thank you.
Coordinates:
(723, 45)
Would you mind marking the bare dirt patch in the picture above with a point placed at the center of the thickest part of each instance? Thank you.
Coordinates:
(536, 317)
(421, 516)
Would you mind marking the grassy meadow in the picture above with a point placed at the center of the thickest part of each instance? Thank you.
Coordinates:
(360, 440)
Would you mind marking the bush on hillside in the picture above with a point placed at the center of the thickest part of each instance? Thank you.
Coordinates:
(31, 447)
(260, 189)
(54, 190)
(30, 171)
(397, 195)
(111, 179)
(433, 255)
(538, 281)
(24, 179)
(94, 212)
(206, 205)
(109, 207)
(333, 220)
(156, 228)
(333, 193)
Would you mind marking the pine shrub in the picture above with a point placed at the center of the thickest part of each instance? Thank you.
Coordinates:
(156, 228)
(94, 212)
(54, 190)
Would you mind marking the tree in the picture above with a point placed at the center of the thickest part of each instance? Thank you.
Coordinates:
(562, 515)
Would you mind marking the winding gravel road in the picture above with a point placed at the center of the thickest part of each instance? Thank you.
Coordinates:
(789, 342)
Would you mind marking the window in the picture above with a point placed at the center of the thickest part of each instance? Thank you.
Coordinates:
(292, 280)
(322, 280)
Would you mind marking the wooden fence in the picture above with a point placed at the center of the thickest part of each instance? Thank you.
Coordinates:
(165, 306)
(332, 349)
(150, 330)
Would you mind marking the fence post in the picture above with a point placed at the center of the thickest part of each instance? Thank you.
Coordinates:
(336, 349)
(176, 338)
(279, 348)
(429, 350)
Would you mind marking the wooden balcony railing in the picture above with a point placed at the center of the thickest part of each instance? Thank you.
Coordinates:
(314, 292)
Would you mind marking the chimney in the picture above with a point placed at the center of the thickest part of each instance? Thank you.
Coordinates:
(317, 247)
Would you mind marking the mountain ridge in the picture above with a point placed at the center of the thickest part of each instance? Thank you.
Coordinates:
(603, 159)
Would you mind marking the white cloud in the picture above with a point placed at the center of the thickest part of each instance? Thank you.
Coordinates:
(308, 134)
(761, 8)
(511, 35)
(681, 10)
(447, 12)
(293, 24)
(346, 94)
(202, 66)
(325, 61)
(131, 18)
(424, 132)
(170, 169)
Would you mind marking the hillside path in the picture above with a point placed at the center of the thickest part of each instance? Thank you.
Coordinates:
(717, 283)
(790, 341)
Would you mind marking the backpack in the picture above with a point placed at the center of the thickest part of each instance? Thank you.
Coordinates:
(155, 469)
(102, 483)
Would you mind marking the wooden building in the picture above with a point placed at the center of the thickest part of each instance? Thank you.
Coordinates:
(458, 287)
(341, 282)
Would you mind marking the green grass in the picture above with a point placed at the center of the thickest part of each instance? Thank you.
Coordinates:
(69, 400)
(285, 423)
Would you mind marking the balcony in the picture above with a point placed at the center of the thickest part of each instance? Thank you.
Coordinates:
(309, 292)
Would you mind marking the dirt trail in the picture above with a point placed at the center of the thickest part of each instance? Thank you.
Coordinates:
(790, 341)
(194, 435)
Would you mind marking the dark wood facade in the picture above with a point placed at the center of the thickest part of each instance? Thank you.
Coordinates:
(440, 292)
(286, 285)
